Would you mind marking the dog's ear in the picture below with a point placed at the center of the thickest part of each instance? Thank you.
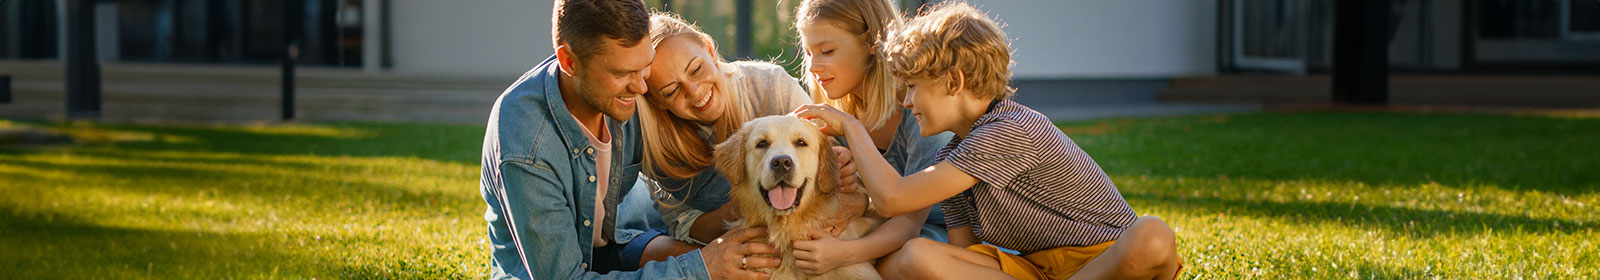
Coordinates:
(828, 175)
(729, 157)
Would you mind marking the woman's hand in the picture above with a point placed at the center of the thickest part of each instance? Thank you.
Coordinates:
(832, 121)
(733, 255)
(822, 253)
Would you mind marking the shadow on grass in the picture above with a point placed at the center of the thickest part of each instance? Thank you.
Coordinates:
(243, 179)
(1395, 220)
(58, 246)
(1508, 152)
(438, 142)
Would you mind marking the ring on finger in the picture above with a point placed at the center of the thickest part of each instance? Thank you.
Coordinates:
(744, 262)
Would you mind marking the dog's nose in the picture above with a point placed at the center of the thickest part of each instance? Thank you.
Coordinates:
(782, 164)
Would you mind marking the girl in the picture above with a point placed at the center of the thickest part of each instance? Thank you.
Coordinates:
(839, 39)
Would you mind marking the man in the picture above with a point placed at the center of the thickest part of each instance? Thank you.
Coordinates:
(559, 154)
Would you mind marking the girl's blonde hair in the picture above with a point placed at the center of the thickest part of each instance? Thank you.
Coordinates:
(674, 146)
(870, 21)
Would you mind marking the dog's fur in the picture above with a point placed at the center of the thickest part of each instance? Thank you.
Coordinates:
(749, 160)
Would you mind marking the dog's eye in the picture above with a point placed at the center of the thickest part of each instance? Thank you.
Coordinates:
(800, 142)
(762, 144)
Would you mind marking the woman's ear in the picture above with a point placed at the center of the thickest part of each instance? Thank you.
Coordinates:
(710, 47)
(729, 158)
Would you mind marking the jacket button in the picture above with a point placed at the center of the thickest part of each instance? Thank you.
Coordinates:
(589, 150)
(586, 223)
(591, 178)
(583, 265)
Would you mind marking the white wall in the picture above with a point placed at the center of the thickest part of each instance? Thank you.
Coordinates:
(1055, 39)
(475, 38)
(1094, 39)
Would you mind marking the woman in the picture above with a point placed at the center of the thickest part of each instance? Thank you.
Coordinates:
(693, 101)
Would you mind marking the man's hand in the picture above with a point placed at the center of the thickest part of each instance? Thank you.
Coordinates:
(821, 253)
(733, 255)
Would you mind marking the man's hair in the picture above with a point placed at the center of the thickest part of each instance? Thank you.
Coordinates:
(870, 21)
(953, 36)
(581, 23)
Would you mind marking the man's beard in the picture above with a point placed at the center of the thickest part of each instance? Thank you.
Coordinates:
(605, 104)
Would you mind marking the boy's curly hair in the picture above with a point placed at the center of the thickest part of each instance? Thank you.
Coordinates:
(953, 36)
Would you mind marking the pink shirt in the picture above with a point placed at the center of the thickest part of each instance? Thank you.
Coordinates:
(602, 170)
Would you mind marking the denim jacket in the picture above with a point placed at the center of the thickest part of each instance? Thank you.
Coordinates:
(538, 181)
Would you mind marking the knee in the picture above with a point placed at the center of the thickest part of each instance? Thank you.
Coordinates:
(1154, 243)
(909, 262)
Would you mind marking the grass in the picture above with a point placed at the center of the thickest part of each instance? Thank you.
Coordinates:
(1335, 195)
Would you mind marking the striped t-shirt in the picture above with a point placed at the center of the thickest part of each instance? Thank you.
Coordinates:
(1036, 189)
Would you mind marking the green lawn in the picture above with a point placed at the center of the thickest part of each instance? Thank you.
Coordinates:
(1334, 195)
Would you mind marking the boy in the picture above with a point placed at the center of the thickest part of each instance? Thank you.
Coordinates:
(1009, 178)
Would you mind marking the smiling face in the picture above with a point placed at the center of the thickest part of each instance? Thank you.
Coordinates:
(783, 158)
(685, 79)
(610, 81)
(933, 103)
(837, 58)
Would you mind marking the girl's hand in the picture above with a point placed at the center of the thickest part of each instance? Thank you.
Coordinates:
(849, 178)
(821, 253)
(831, 120)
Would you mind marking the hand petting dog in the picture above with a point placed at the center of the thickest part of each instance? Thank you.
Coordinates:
(734, 256)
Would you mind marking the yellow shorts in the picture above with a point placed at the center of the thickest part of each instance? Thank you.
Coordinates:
(1054, 263)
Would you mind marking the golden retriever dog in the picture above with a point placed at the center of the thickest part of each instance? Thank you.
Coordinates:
(784, 176)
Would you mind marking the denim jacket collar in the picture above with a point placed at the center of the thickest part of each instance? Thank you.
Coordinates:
(571, 132)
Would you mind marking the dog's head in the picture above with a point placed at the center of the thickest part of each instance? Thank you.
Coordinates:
(780, 160)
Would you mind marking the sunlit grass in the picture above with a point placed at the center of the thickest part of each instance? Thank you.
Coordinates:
(273, 201)
(1252, 196)
(1363, 195)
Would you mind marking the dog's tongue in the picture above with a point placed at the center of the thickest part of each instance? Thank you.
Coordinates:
(782, 197)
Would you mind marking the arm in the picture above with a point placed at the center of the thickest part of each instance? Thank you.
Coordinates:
(893, 195)
(821, 252)
(962, 236)
(712, 224)
(887, 238)
(684, 221)
(533, 206)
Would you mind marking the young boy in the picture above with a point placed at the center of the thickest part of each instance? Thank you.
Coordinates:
(1010, 178)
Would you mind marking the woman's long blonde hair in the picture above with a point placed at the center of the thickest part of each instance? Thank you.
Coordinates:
(870, 20)
(674, 147)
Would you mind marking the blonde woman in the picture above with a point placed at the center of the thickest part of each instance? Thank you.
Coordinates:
(839, 39)
(694, 100)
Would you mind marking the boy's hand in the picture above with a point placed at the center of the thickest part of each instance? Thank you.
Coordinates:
(830, 120)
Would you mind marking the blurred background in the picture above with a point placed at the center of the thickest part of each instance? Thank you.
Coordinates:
(415, 60)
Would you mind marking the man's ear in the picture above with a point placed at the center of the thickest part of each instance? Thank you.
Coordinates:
(828, 169)
(567, 59)
(729, 157)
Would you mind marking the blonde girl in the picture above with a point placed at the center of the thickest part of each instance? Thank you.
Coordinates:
(839, 41)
